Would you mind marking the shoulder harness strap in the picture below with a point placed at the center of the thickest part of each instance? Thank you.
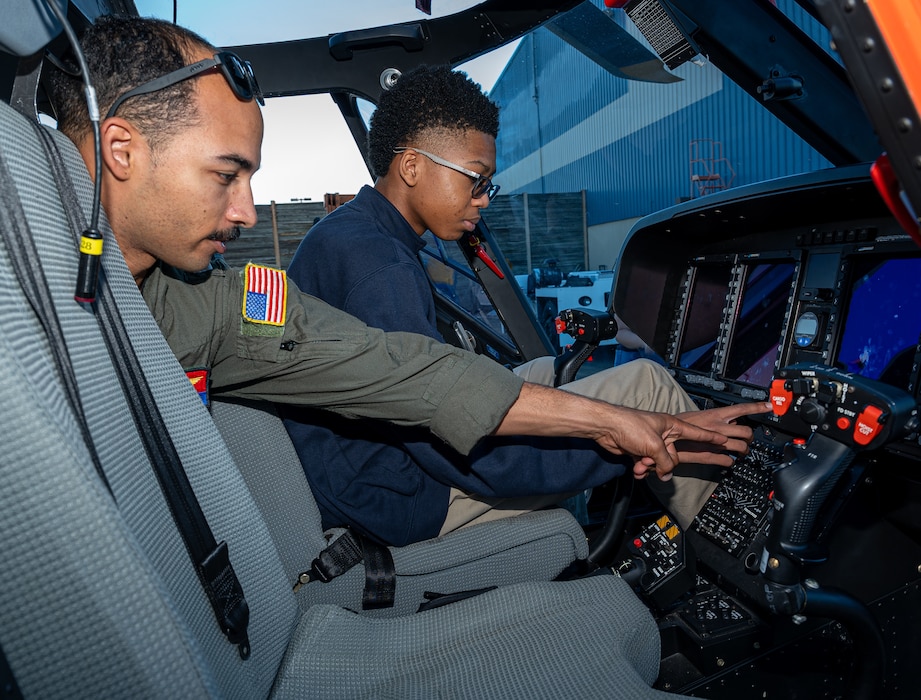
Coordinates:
(210, 559)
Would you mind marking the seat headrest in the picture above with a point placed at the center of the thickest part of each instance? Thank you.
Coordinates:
(28, 26)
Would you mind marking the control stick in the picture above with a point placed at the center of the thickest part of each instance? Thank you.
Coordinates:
(810, 470)
(589, 327)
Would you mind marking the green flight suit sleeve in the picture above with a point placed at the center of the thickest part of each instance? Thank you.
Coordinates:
(325, 358)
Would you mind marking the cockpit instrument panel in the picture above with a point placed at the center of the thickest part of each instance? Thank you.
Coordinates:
(706, 291)
(813, 269)
(734, 318)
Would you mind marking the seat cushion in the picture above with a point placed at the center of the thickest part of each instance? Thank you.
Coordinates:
(579, 639)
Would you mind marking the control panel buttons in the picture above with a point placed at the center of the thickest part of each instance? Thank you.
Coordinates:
(590, 325)
(856, 411)
(812, 411)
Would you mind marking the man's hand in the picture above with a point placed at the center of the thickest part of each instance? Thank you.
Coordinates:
(652, 439)
(719, 420)
(649, 438)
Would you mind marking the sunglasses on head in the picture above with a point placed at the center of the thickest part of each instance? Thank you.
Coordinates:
(238, 73)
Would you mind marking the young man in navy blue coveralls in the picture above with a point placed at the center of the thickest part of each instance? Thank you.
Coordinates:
(432, 147)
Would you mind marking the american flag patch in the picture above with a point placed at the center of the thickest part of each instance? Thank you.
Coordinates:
(265, 294)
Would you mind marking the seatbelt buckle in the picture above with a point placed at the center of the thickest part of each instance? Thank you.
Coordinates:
(315, 573)
(303, 579)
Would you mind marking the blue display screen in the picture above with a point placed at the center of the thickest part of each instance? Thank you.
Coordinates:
(883, 320)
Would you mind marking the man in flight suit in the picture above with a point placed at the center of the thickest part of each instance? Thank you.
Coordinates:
(177, 158)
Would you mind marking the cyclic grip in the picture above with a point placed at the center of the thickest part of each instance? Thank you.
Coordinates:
(841, 414)
(589, 327)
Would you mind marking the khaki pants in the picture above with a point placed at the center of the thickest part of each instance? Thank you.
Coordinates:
(639, 384)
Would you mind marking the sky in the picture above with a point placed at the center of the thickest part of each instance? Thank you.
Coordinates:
(307, 150)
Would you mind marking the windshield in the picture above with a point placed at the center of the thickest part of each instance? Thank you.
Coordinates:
(598, 124)
(308, 150)
(592, 108)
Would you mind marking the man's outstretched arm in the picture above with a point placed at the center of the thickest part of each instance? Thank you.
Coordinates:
(649, 438)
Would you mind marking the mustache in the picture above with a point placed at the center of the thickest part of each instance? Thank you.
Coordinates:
(227, 235)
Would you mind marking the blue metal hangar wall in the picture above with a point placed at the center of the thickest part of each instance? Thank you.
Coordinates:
(568, 125)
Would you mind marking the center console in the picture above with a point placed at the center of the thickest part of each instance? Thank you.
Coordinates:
(746, 559)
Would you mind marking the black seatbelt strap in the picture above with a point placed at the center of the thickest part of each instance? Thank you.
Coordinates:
(210, 559)
(345, 552)
(8, 688)
(335, 560)
(380, 576)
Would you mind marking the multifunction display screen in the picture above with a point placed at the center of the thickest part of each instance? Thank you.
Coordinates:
(883, 320)
(759, 327)
(706, 303)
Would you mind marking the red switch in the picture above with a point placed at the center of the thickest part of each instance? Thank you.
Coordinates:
(781, 398)
(868, 425)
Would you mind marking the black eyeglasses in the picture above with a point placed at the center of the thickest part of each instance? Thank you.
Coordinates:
(238, 73)
(481, 184)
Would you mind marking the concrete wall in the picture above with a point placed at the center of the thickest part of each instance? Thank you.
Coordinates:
(532, 228)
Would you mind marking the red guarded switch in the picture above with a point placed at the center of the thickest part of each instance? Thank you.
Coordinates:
(781, 398)
(868, 425)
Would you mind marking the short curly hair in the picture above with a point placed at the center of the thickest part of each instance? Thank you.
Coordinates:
(427, 98)
(122, 53)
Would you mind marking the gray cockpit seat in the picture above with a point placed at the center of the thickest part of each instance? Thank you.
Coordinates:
(532, 547)
(97, 594)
